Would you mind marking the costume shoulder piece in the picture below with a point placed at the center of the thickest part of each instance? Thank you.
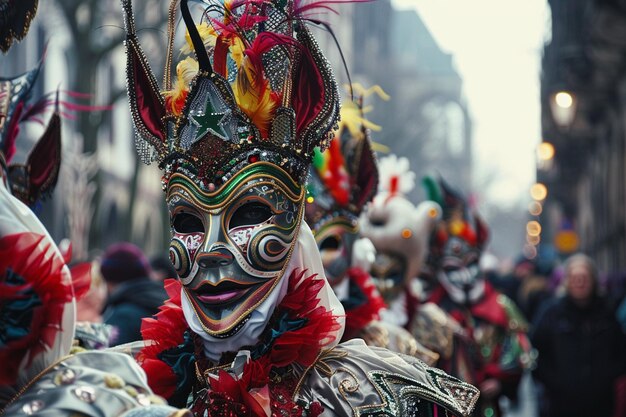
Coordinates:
(91, 383)
(354, 379)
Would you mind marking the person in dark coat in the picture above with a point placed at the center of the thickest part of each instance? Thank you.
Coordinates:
(582, 351)
(132, 295)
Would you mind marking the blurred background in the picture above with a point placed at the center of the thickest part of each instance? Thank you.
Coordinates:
(518, 104)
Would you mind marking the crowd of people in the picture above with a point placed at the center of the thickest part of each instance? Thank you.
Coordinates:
(300, 279)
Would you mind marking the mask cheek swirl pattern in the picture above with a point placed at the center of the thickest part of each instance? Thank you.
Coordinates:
(261, 223)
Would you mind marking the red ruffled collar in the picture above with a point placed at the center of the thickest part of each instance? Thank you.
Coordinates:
(369, 310)
(299, 346)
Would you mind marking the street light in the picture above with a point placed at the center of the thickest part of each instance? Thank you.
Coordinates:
(563, 106)
(533, 228)
(538, 191)
(545, 151)
(535, 208)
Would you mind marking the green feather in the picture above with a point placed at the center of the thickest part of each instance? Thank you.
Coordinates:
(318, 159)
(433, 192)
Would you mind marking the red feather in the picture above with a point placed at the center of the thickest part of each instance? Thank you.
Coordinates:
(31, 257)
(361, 316)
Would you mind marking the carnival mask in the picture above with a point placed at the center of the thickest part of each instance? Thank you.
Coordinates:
(230, 247)
(400, 232)
(459, 271)
(335, 240)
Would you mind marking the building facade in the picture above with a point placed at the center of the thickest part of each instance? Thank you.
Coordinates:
(583, 95)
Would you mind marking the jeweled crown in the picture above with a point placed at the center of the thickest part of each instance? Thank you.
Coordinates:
(254, 86)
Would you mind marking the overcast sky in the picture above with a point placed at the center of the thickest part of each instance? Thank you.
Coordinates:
(497, 48)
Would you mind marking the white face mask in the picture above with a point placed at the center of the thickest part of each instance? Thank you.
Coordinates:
(459, 272)
(306, 257)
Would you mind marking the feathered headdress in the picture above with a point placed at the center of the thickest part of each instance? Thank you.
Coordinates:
(344, 177)
(458, 219)
(252, 86)
(38, 175)
(395, 176)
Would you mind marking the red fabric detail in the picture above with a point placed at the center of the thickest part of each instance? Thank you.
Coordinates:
(147, 100)
(358, 318)
(164, 331)
(620, 396)
(303, 345)
(161, 378)
(32, 257)
(482, 231)
(232, 396)
(81, 279)
(315, 409)
(309, 95)
(468, 234)
(437, 295)
(365, 179)
(336, 177)
(394, 184)
(176, 106)
(219, 55)
(489, 309)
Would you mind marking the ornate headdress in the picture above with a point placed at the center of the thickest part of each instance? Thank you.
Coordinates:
(38, 175)
(344, 178)
(256, 88)
(15, 18)
(457, 220)
(456, 244)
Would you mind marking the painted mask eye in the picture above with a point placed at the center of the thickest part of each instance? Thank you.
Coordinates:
(187, 223)
(378, 221)
(250, 214)
(330, 243)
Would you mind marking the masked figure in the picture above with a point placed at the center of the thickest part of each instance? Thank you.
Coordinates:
(343, 179)
(499, 350)
(252, 326)
(37, 295)
(400, 232)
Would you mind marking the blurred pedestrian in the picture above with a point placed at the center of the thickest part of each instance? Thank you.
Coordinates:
(132, 294)
(582, 350)
(162, 268)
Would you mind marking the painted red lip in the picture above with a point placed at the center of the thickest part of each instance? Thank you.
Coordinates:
(224, 292)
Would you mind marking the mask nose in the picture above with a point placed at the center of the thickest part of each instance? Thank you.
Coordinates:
(215, 259)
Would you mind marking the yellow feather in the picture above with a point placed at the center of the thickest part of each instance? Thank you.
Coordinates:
(185, 71)
(255, 101)
(208, 35)
(366, 92)
(352, 119)
(236, 51)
